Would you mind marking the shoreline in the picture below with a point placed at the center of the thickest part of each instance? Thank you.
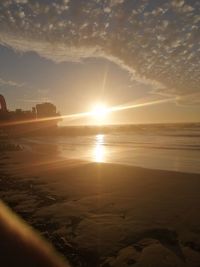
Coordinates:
(102, 149)
(115, 212)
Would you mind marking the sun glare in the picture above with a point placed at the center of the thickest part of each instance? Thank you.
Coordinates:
(99, 112)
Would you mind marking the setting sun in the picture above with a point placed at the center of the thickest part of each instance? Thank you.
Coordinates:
(99, 112)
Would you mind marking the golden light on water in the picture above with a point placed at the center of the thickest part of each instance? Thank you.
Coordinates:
(99, 149)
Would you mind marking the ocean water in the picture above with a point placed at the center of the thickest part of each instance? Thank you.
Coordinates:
(168, 147)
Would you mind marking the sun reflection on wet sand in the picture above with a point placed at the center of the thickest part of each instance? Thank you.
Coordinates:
(99, 149)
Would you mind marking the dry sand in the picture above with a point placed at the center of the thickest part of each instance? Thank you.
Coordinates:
(104, 214)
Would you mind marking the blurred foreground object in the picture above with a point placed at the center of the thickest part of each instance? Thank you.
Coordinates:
(22, 246)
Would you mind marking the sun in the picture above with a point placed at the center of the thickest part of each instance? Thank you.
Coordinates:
(99, 112)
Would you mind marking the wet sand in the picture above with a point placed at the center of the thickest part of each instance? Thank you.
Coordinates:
(105, 214)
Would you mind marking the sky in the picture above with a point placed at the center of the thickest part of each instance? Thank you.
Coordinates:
(139, 54)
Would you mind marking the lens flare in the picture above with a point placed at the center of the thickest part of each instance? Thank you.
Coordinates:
(99, 111)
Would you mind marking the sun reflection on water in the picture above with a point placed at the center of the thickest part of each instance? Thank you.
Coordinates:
(99, 149)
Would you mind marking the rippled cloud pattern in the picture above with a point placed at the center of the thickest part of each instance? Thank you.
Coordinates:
(156, 41)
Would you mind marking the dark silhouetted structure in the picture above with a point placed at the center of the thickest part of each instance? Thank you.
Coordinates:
(42, 117)
(3, 106)
(45, 110)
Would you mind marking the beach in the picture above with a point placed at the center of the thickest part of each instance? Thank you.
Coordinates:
(102, 214)
(99, 133)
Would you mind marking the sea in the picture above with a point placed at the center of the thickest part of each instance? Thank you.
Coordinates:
(174, 147)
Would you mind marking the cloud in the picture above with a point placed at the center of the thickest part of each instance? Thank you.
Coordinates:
(188, 99)
(4, 82)
(116, 2)
(21, 1)
(41, 92)
(178, 3)
(158, 42)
